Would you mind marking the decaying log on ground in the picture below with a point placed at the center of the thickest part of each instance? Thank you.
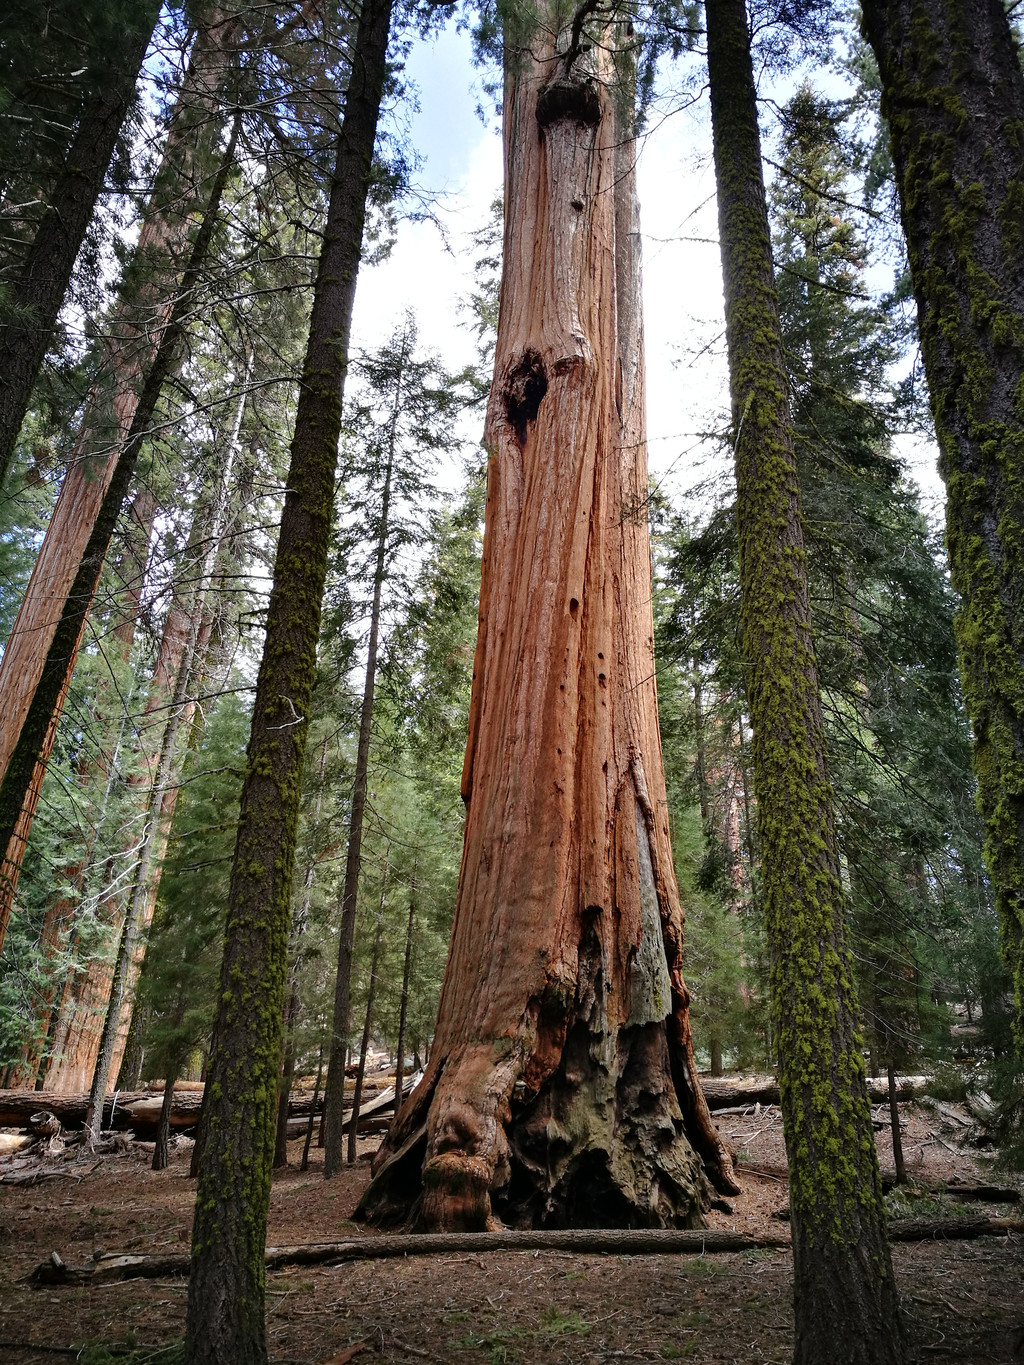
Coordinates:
(17, 1107)
(724, 1096)
(140, 1109)
(582, 1242)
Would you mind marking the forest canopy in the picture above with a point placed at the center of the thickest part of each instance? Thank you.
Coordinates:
(743, 789)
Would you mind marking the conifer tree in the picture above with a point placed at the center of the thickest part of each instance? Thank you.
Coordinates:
(846, 1307)
(953, 99)
(563, 998)
(226, 1285)
(33, 295)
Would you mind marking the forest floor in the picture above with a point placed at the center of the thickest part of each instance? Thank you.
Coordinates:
(964, 1300)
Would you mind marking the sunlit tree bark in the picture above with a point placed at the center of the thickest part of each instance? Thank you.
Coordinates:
(561, 1086)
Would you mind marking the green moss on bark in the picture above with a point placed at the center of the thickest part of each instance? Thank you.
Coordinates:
(953, 97)
(227, 1282)
(845, 1298)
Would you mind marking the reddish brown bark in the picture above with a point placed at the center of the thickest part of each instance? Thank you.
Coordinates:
(561, 1087)
(134, 340)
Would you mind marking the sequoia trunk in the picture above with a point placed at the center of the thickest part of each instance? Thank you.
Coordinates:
(846, 1308)
(953, 97)
(561, 1087)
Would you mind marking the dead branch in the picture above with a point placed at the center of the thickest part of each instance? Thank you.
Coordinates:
(585, 1241)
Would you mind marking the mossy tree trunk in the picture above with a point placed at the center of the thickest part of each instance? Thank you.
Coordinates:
(953, 97)
(226, 1286)
(845, 1297)
(561, 1087)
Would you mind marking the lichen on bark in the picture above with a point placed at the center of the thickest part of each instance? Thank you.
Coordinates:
(953, 99)
(561, 1087)
(846, 1308)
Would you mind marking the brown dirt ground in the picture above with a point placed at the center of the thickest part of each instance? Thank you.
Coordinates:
(963, 1300)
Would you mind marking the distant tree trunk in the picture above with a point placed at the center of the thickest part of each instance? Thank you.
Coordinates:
(334, 1092)
(173, 1070)
(894, 1120)
(357, 1093)
(184, 644)
(226, 1286)
(69, 559)
(563, 999)
(403, 1013)
(287, 1072)
(35, 297)
(130, 1075)
(953, 97)
(846, 1307)
(153, 842)
(304, 1163)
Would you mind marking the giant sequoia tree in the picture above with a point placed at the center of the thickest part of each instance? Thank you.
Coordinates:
(561, 1087)
(953, 97)
(845, 1295)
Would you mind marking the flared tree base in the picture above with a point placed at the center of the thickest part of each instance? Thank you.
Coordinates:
(602, 1143)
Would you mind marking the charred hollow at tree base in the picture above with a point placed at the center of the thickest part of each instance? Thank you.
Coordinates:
(601, 1143)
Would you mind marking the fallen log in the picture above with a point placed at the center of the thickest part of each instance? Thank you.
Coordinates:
(764, 1090)
(18, 1106)
(583, 1242)
(140, 1109)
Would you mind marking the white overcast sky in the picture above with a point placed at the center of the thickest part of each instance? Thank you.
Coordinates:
(683, 306)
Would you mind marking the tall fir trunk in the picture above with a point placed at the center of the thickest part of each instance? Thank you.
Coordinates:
(133, 338)
(35, 297)
(227, 1282)
(561, 1087)
(364, 1045)
(953, 98)
(29, 754)
(403, 1011)
(846, 1307)
(334, 1092)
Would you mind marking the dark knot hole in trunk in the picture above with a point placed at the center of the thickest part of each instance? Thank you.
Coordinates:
(527, 385)
(567, 99)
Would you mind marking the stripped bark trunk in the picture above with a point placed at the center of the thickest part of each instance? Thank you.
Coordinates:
(953, 98)
(846, 1307)
(112, 424)
(335, 1090)
(225, 1319)
(35, 297)
(561, 1086)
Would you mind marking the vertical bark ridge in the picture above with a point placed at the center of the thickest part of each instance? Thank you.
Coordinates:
(559, 1081)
